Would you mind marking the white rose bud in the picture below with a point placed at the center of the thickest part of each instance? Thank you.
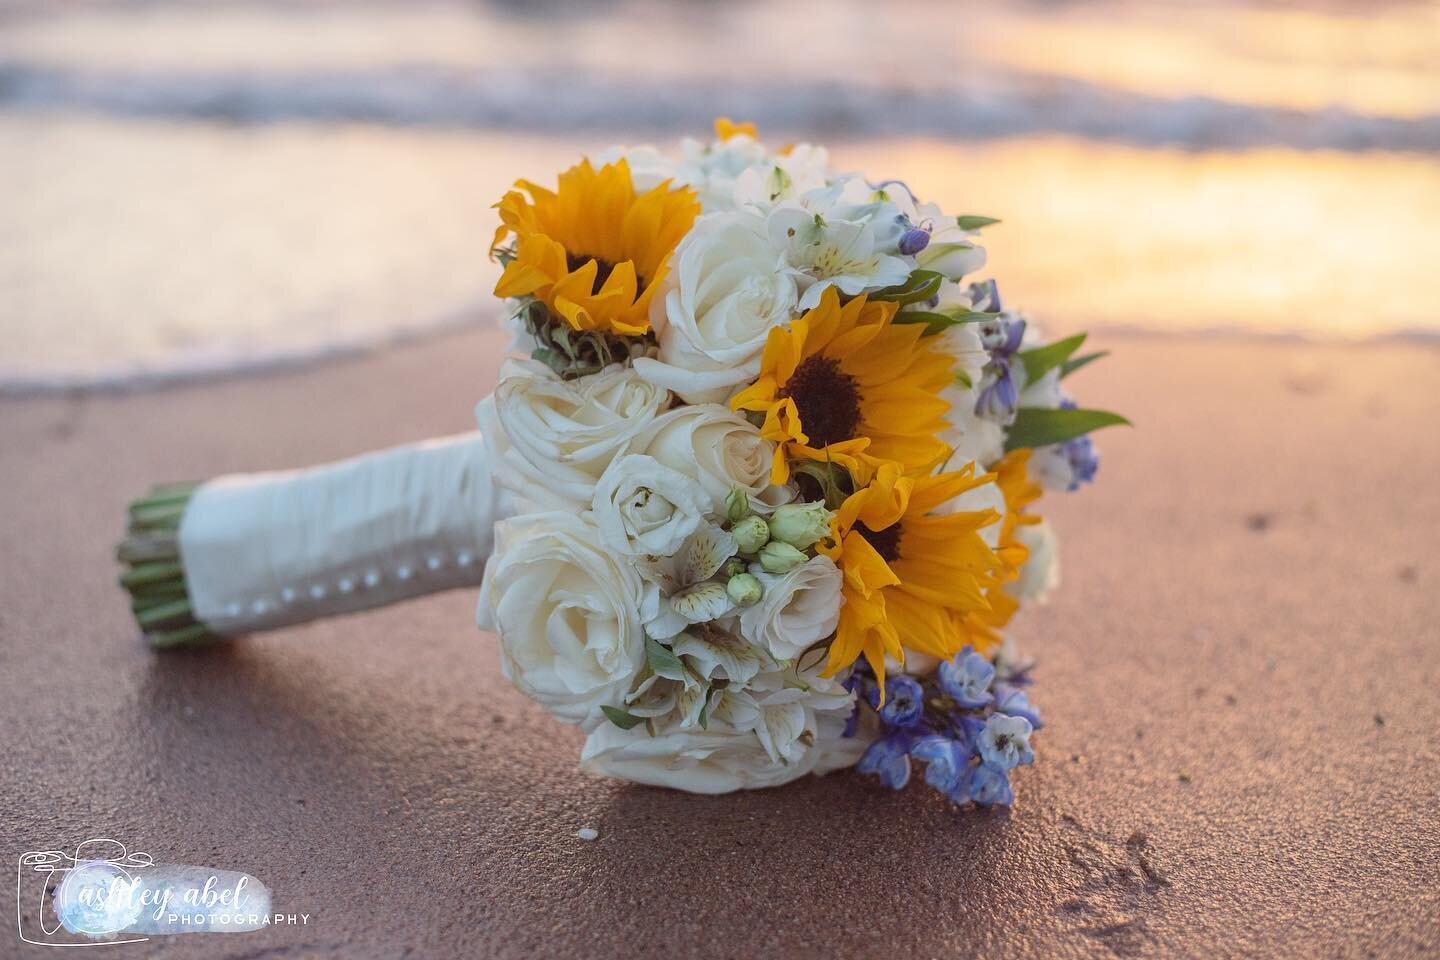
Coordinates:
(800, 524)
(797, 609)
(750, 534)
(737, 505)
(733, 568)
(745, 590)
(644, 508)
(567, 612)
(778, 557)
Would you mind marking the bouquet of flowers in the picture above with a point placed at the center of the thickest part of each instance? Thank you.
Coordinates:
(754, 498)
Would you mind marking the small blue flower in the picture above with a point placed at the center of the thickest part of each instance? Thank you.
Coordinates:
(998, 399)
(1012, 700)
(946, 762)
(1083, 459)
(985, 296)
(1005, 742)
(852, 723)
(889, 757)
(986, 787)
(966, 679)
(914, 240)
(904, 701)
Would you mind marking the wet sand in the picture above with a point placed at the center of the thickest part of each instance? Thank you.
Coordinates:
(1238, 674)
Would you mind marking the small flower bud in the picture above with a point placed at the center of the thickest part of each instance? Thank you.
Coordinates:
(733, 568)
(737, 505)
(779, 557)
(800, 524)
(744, 589)
(914, 240)
(750, 534)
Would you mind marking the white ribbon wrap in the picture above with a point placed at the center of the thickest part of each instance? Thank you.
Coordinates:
(267, 550)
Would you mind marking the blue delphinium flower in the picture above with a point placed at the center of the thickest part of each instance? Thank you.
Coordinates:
(969, 724)
(987, 787)
(1004, 744)
(888, 757)
(946, 762)
(998, 398)
(904, 701)
(966, 679)
(1083, 458)
(1012, 700)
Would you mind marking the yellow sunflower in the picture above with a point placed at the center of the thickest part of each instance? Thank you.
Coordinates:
(843, 381)
(1012, 476)
(593, 251)
(911, 575)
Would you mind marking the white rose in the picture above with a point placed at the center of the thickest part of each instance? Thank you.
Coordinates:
(1041, 572)
(643, 508)
(718, 449)
(551, 440)
(567, 613)
(727, 290)
(797, 608)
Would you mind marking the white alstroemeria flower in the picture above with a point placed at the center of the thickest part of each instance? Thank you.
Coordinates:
(727, 288)
(797, 609)
(719, 655)
(783, 178)
(678, 590)
(718, 449)
(643, 508)
(551, 440)
(730, 754)
(1041, 572)
(566, 611)
(831, 245)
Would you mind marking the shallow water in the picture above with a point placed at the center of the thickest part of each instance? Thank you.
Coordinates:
(196, 188)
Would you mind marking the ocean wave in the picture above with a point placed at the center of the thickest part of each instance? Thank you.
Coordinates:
(432, 95)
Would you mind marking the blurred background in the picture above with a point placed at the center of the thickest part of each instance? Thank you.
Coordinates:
(188, 188)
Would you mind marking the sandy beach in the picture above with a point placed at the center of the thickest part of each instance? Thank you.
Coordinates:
(1238, 675)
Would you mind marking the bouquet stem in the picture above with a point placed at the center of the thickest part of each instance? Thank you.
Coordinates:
(155, 577)
(259, 551)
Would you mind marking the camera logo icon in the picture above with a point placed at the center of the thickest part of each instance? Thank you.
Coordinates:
(83, 900)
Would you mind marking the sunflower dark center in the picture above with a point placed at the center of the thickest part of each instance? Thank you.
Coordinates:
(886, 542)
(827, 399)
(603, 269)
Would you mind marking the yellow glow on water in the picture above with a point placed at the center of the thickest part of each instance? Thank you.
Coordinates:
(1273, 240)
(1371, 61)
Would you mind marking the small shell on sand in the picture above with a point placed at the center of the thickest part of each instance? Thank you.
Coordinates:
(587, 833)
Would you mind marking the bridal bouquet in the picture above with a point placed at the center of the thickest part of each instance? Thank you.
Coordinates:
(754, 498)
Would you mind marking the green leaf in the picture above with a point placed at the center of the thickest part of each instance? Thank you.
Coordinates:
(1041, 360)
(1036, 427)
(975, 223)
(920, 285)
(663, 661)
(1070, 366)
(939, 322)
(620, 718)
